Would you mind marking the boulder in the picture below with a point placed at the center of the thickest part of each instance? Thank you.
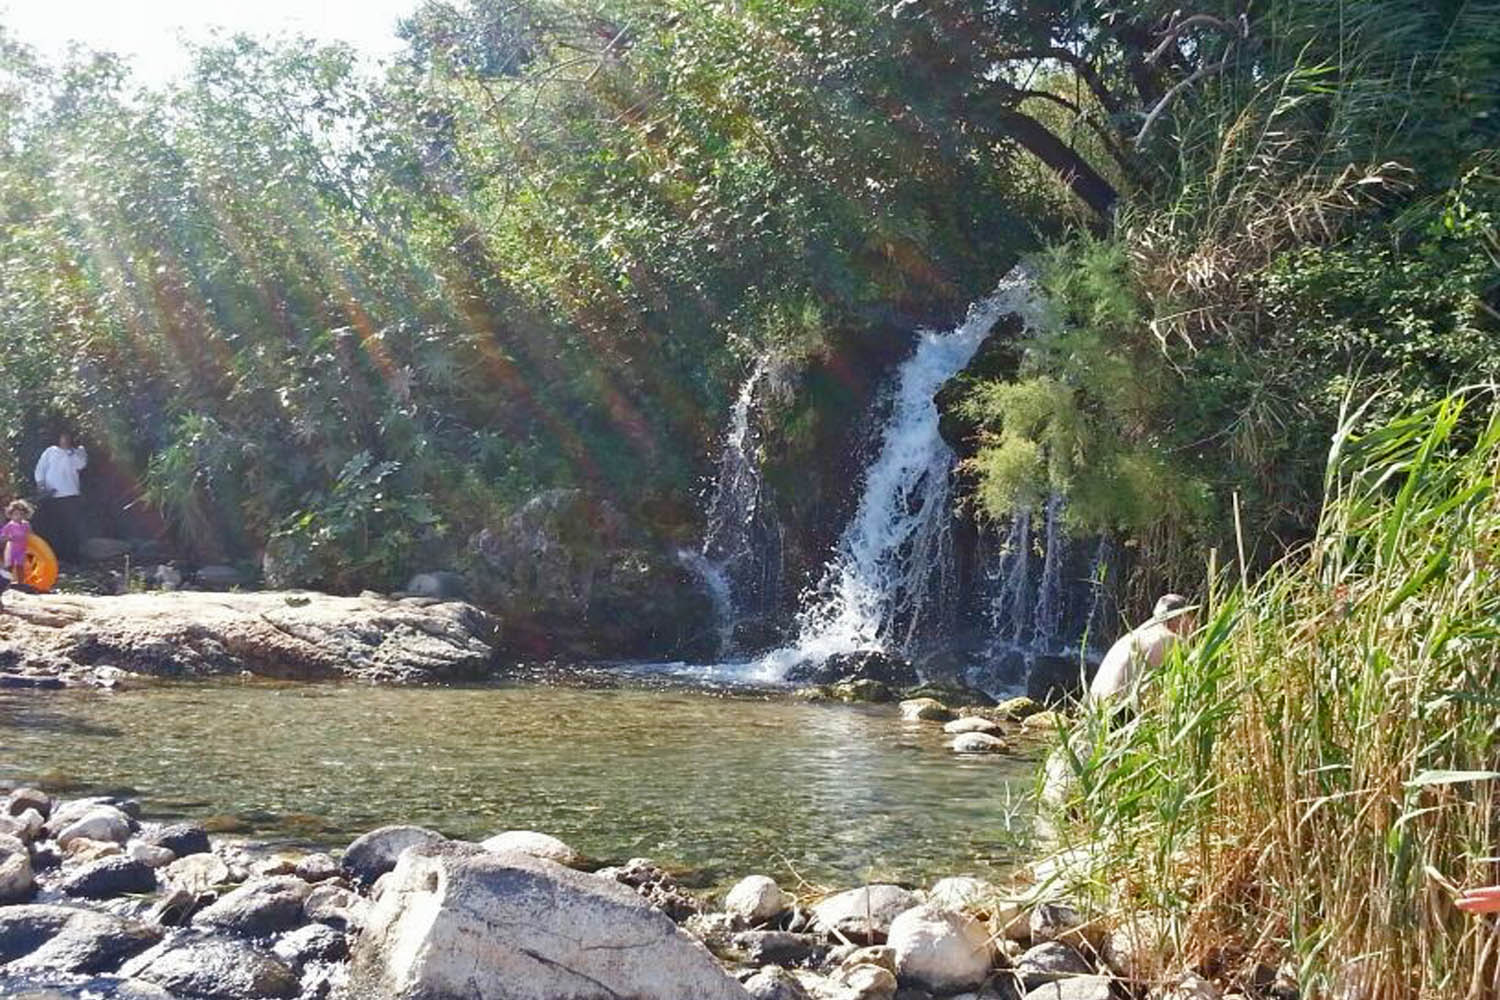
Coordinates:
(99, 823)
(566, 934)
(317, 868)
(441, 585)
(43, 938)
(940, 950)
(17, 880)
(197, 874)
(257, 909)
(149, 855)
(973, 724)
(865, 664)
(756, 899)
(335, 906)
(925, 710)
(778, 947)
(1018, 708)
(862, 915)
(25, 827)
(538, 845)
(1050, 721)
(864, 690)
(953, 695)
(375, 853)
(1045, 963)
(312, 943)
(182, 839)
(1076, 988)
(24, 798)
(772, 983)
(108, 877)
(215, 969)
(975, 743)
(865, 982)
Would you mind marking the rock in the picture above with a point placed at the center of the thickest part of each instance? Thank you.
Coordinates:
(538, 845)
(1019, 708)
(25, 827)
(979, 743)
(219, 577)
(313, 943)
(866, 982)
(257, 909)
(103, 549)
(973, 724)
(45, 938)
(108, 877)
(442, 585)
(99, 823)
(862, 915)
(197, 873)
(778, 947)
(940, 950)
(961, 892)
(716, 930)
(317, 868)
(1045, 722)
(149, 854)
(1061, 922)
(1076, 988)
(1136, 949)
(878, 954)
(167, 576)
(24, 798)
(81, 850)
(772, 983)
(182, 839)
(864, 690)
(867, 664)
(925, 710)
(952, 695)
(756, 899)
(173, 906)
(567, 934)
(1045, 963)
(1191, 986)
(215, 969)
(191, 633)
(656, 886)
(335, 906)
(375, 853)
(279, 864)
(17, 880)
(1056, 680)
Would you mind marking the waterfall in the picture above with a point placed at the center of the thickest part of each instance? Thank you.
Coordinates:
(739, 562)
(890, 577)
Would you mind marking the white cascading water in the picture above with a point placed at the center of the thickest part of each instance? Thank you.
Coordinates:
(886, 577)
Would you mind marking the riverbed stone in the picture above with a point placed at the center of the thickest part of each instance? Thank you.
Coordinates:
(1061, 921)
(772, 983)
(197, 873)
(108, 877)
(215, 969)
(778, 947)
(81, 850)
(1074, 988)
(1048, 721)
(17, 880)
(940, 950)
(100, 823)
(978, 743)
(538, 845)
(973, 724)
(375, 853)
(863, 915)
(1137, 947)
(25, 826)
(149, 854)
(317, 868)
(21, 799)
(756, 899)
(1048, 962)
(925, 710)
(311, 943)
(257, 908)
(864, 689)
(865, 982)
(874, 954)
(566, 934)
(182, 839)
(46, 938)
(336, 906)
(1019, 708)
(656, 886)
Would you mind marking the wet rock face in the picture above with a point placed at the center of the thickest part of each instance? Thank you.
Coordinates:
(216, 969)
(869, 664)
(571, 576)
(296, 636)
(567, 934)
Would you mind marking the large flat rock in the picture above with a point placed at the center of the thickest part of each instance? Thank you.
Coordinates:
(272, 633)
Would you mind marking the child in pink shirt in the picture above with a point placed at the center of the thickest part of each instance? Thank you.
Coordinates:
(13, 536)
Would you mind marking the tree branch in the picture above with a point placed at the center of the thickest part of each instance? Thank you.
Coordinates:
(1201, 73)
(1080, 65)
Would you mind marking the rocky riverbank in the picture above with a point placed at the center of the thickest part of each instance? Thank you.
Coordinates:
(55, 639)
(98, 901)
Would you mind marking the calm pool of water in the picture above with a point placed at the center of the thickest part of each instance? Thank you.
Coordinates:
(717, 785)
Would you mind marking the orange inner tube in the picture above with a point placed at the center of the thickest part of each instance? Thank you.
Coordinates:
(40, 571)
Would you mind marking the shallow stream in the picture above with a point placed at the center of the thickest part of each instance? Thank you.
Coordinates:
(717, 785)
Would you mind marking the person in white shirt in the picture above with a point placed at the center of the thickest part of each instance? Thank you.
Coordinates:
(61, 514)
(1140, 650)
